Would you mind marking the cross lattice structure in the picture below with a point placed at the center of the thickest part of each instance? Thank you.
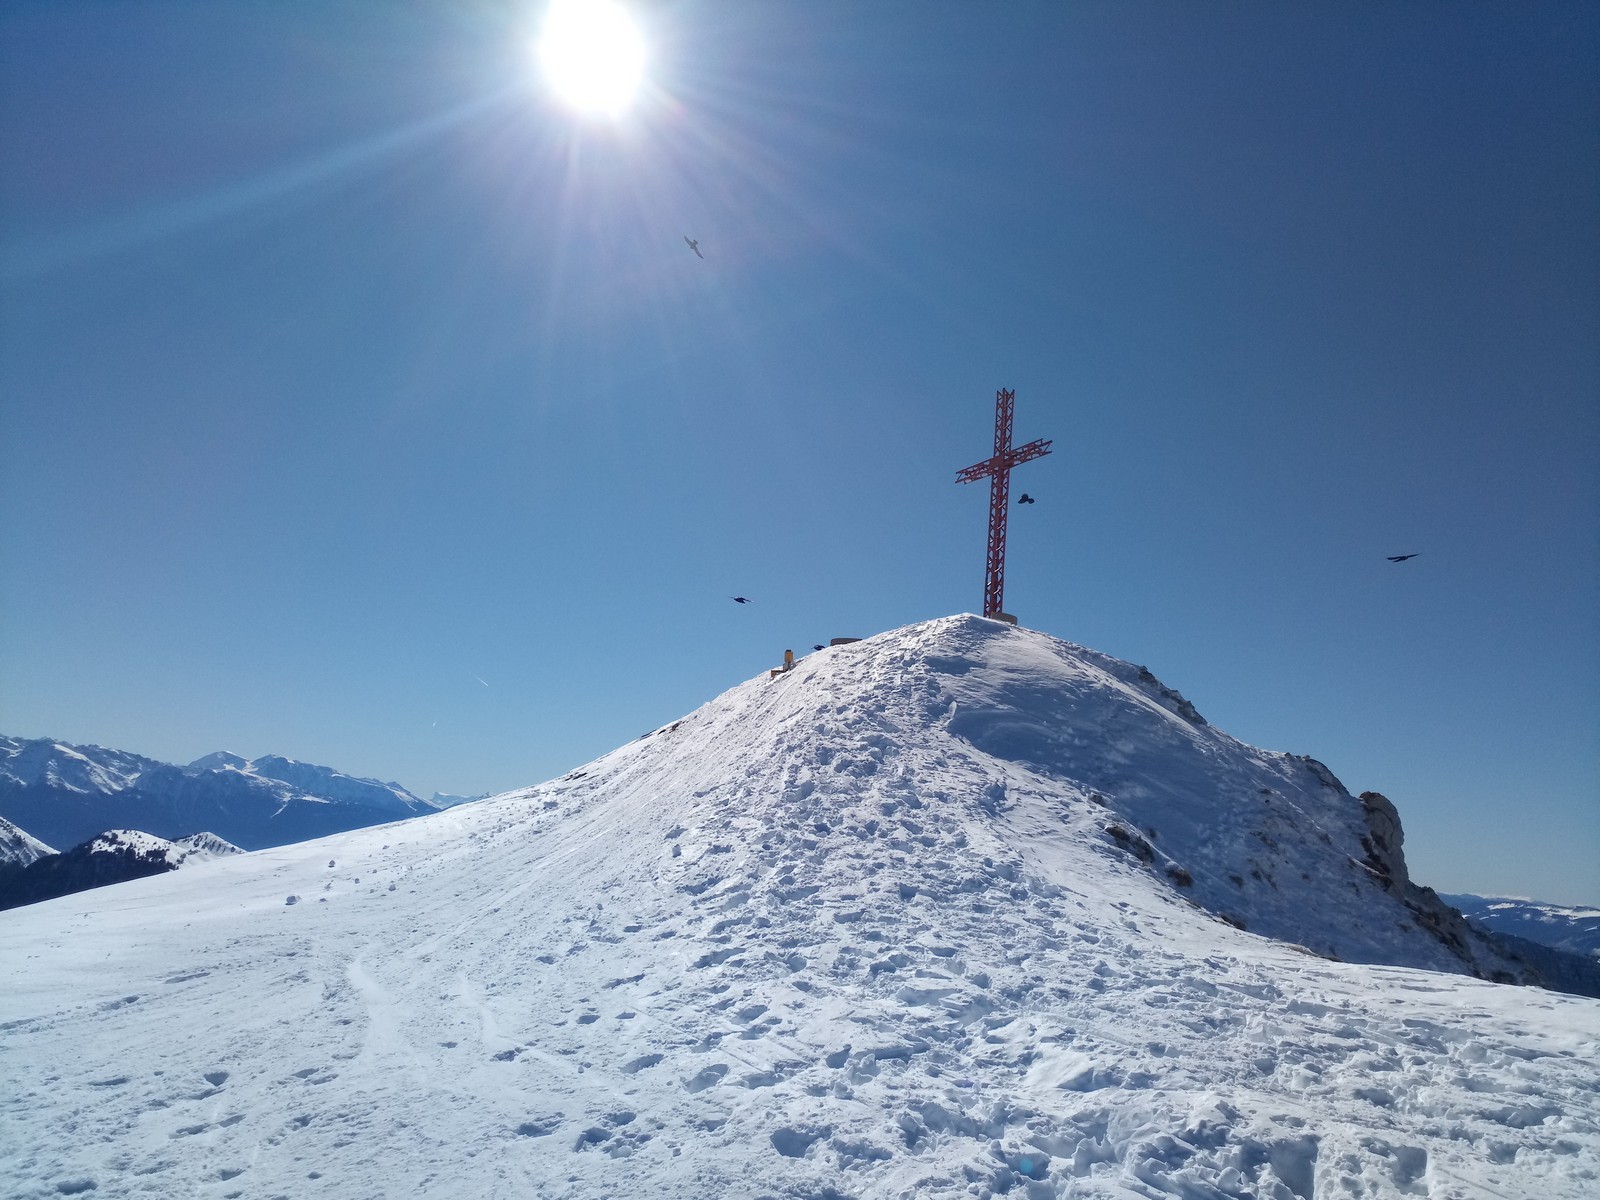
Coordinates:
(997, 469)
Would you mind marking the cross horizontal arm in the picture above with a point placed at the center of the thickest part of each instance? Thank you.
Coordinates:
(990, 467)
(978, 471)
(1031, 451)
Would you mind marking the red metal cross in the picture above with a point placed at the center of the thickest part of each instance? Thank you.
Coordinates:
(997, 469)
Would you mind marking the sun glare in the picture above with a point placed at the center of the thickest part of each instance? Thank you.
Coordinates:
(593, 54)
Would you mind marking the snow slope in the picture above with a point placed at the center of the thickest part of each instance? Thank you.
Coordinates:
(859, 931)
(67, 794)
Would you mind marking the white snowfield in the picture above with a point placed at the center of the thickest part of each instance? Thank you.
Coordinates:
(857, 931)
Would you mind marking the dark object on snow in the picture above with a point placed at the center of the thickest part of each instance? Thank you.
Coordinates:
(741, 600)
(1402, 557)
(818, 646)
(694, 244)
(1024, 499)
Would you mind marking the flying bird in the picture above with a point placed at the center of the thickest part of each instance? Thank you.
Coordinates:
(1024, 499)
(694, 244)
(741, 600)
(817, 647)
(1402, 557)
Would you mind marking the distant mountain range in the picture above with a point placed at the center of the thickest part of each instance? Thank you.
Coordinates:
(1575, 930)
(63, 795)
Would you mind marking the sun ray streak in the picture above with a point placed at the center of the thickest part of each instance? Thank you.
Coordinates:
(40, 254)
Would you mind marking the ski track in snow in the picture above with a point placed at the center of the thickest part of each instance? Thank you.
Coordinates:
(780, 948)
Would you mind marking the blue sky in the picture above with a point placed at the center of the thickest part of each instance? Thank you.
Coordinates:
(360, 403)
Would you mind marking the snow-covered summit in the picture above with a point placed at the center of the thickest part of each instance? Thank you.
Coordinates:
(220, 760)
(974, 718)
(864, 930)
(198, 847)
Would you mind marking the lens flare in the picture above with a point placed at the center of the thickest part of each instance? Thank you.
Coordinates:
(593, 55)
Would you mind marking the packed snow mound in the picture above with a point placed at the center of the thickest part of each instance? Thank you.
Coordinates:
(18, 847)
(68, 794)
(982, 718)
(859, 931)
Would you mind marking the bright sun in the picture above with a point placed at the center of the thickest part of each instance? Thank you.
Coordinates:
(592, 53)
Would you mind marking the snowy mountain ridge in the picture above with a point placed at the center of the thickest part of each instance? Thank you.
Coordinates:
(951, 912)
(199, 847)
(115, 856)
(18, 847)
(64, 794)
(1561, 926)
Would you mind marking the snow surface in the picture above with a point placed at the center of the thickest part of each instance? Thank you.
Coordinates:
(858, 931)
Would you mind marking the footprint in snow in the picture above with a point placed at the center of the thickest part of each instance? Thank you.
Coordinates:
(709, 1077)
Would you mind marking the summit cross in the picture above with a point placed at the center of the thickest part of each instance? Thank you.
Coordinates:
(997, 469)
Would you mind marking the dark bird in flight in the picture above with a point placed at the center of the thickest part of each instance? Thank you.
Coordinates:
(818, 647)
(694, 244)
(1024, 499)
(740, 600)
(1402, 557)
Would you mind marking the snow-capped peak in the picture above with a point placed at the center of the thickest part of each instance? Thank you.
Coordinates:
(220, 760)
(18, 847)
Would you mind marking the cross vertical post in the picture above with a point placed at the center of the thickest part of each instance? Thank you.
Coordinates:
(997, 469)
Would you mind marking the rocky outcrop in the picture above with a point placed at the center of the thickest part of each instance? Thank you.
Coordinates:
(1383, 843)
(1481, 950)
